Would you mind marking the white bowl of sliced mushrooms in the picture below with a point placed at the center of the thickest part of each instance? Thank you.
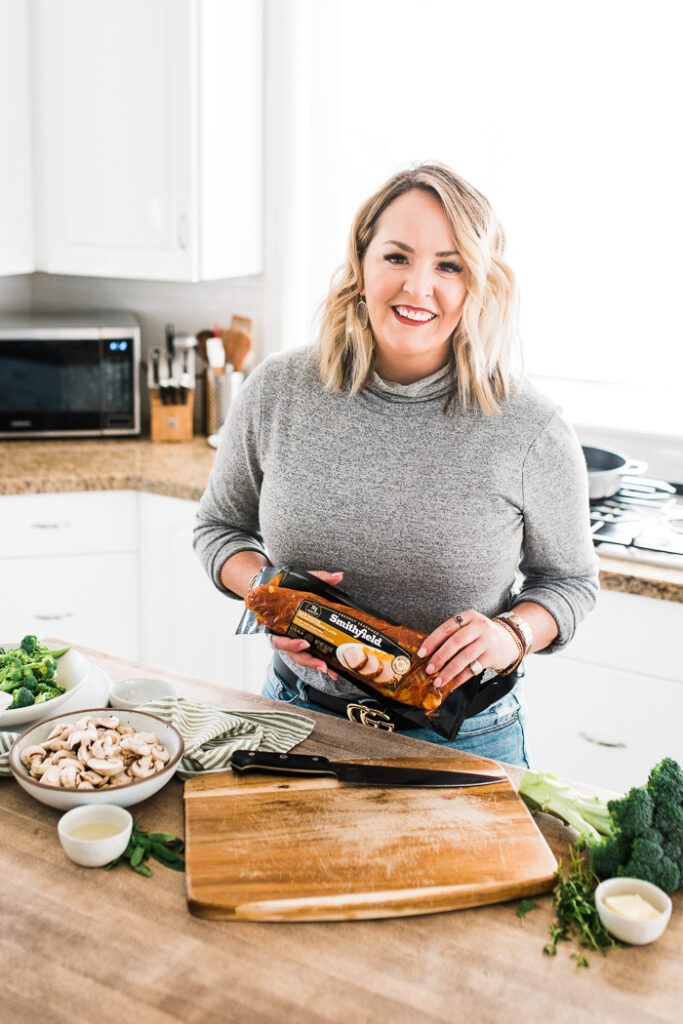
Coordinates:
(96, 756)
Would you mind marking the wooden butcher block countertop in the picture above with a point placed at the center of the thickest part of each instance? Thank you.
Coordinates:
(81, 946)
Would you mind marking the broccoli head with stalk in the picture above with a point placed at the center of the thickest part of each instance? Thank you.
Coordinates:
(639, 835)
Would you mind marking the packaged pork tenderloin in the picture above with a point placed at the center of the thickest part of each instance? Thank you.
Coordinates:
(375, 654)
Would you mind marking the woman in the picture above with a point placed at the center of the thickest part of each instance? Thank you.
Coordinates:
(404, 455)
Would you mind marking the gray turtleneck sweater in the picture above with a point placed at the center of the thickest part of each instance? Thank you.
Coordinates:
(426, 514)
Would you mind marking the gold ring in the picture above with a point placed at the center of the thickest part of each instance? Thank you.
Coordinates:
(476, 668)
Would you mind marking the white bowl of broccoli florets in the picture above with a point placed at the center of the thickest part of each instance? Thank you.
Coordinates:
(38, 677)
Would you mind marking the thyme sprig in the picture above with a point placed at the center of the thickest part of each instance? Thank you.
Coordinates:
(576, 914)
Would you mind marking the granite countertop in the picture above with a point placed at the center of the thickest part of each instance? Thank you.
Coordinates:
(181, 470)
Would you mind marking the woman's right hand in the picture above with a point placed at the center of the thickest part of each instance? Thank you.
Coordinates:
(296, 650)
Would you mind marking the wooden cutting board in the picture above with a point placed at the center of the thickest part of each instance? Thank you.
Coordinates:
(266, 847)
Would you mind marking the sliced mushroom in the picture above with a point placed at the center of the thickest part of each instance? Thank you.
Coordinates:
(105, 768)
(106, 723)
(51, 776)
(64, 755)
(83, 754)
(82, 736)
(125, 730)
(56, 744)
(83, 784)
(138, 770)
(134, 745)
(61, 729)
(147, 737)
(29, 753)
(161, 753)
(69, 775)
(111, 736)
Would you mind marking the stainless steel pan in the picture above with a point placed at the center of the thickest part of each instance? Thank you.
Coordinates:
(606, 470)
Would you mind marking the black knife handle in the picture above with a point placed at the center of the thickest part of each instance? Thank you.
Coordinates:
(287, 764)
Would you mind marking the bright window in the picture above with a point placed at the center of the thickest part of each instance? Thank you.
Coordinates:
(567, 116)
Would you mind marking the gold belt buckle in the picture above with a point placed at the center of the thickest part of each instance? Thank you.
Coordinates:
(361, 714)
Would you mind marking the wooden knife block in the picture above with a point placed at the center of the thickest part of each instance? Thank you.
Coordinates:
(171, 422)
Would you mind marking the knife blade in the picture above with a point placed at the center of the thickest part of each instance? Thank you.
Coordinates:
(356, 774)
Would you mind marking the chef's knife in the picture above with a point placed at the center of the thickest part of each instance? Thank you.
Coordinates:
(156, 356)
(170, 355)
(356, 774)
(185, 377)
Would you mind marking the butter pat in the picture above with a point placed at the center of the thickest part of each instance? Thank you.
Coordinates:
(631, 906)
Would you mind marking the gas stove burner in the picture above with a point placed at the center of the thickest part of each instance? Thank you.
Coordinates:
(642, 520)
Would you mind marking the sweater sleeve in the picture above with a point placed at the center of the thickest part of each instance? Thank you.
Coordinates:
(228, 515)
(559, 564)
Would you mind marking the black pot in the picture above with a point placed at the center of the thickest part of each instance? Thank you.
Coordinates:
(606, 470)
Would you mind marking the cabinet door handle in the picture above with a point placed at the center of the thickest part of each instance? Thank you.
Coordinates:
(182, 231)
(49, 526)
(600, 743)
(54, 618)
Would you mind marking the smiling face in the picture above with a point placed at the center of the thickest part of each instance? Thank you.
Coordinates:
(414, 287)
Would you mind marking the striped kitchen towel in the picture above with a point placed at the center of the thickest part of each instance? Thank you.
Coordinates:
(211, 734)
(6, 741)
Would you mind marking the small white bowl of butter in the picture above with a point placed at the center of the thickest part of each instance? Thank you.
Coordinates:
(634, 911)
(94, 834)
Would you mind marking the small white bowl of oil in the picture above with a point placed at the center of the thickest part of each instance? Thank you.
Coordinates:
(94, 834)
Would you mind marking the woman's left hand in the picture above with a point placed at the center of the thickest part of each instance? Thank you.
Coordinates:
(465, 639)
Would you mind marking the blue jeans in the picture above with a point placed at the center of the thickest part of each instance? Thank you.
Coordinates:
(497, 732)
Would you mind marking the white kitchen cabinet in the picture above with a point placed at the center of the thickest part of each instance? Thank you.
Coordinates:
(189, 626)
(605, 727)
(639, 634)
(69, 568)
(149, 137)
(16, 206)
(86, 599)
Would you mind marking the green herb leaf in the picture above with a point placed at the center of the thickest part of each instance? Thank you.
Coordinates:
(576, 913)
(163, 846)
(524, 907)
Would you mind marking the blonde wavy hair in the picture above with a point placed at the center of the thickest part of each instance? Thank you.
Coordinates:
(486, 350)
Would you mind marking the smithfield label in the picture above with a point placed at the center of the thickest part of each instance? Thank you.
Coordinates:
(368, 654)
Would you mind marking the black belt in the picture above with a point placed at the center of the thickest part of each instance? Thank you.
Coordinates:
(371, 711)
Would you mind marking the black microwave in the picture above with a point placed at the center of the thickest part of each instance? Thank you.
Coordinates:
(69, 375)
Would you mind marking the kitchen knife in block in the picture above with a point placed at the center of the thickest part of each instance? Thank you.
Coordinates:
(267, 847)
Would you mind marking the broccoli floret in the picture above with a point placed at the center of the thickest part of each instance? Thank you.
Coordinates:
(28, 679)
(22, 699)
(10, 674)
(29, 645)
(45, 670)
(666, 782)
(607, 856)
(661, 871)
(632, 815)
(48, 692)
